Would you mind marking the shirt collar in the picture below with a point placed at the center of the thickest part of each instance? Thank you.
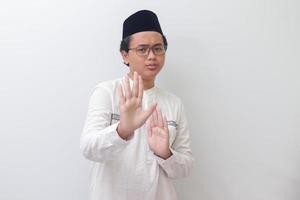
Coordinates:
(148, 92)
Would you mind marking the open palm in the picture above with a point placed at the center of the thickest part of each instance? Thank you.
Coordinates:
(132, 115)
(158, 134)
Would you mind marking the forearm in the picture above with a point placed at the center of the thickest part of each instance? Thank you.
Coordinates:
(102, 145)
(178, 165)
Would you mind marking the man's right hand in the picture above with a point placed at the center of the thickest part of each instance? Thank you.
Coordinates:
(132, 115)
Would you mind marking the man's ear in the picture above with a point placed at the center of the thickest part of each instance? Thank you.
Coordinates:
(125, 57)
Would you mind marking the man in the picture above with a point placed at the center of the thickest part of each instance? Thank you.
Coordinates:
(136, 133)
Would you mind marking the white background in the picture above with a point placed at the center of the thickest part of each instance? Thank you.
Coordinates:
(235, 64)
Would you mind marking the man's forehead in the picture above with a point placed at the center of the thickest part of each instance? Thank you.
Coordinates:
(147, 37)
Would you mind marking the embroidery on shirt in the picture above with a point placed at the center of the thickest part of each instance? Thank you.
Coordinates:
(172, 123)
(114, 116)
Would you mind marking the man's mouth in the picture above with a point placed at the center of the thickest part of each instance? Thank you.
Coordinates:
(151, 66)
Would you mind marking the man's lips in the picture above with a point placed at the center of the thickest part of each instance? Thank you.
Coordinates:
(151, 66)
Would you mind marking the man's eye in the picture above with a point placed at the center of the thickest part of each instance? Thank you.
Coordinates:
(141, 50)
(158, 49)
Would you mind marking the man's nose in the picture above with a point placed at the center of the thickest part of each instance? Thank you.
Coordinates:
(151, 55)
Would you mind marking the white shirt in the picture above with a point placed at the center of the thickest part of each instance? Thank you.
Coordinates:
(128, 170)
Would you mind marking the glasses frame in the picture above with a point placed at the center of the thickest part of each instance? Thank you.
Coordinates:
(148, 50)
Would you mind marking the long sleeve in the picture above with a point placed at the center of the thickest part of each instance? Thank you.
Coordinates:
(180, 163)
(100, 141)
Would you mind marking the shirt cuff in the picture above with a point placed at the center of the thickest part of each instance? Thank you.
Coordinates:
(115, 137)
(166, 162)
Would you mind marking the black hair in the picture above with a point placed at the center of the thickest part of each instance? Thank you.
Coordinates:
(124, 46)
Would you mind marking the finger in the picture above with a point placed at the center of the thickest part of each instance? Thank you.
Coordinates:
(135, 85)
(160, 122)
(166, 125)
(127, 87)
(149, 128)
(160, 132)
(151, 121)
(141, 88)
(155, 118)
(121, 95)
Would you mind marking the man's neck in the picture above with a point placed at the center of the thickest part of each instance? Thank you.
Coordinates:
(148, 84)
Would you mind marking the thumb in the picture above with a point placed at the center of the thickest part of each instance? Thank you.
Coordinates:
(149, 111)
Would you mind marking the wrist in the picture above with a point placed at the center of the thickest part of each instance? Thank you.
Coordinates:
(122, 133)
(166, 155)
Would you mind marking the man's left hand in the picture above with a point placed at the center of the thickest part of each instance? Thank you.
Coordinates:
(158, 134)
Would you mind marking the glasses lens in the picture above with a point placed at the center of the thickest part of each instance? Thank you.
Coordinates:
(158, 50)
(142, 51)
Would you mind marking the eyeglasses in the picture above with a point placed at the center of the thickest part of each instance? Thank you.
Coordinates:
(144, 50)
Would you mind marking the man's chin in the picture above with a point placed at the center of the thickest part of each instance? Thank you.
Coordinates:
(149, 76)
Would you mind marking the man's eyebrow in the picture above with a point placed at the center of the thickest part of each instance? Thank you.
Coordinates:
(149, 45)
(158, 44)
(143, 45)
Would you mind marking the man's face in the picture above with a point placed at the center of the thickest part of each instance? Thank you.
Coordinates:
(147, 66)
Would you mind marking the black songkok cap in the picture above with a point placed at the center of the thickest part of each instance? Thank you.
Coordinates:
(143, 20)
